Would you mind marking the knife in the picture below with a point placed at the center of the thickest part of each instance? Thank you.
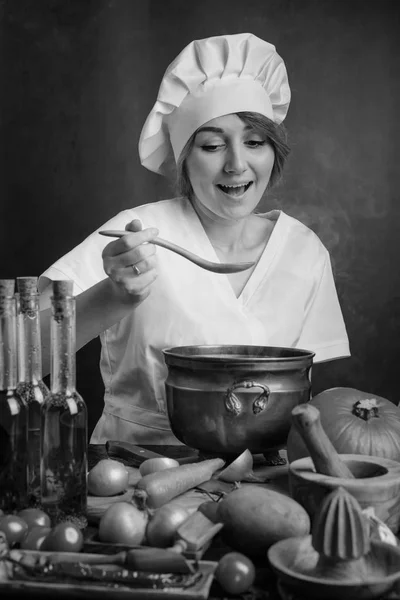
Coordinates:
(135, 455)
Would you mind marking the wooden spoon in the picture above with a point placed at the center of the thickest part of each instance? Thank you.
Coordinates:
(197, 260)
(306, 419)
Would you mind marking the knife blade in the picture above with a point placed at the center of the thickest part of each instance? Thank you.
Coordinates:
(135, 455)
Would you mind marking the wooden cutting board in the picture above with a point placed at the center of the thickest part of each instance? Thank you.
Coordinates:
(191, 500)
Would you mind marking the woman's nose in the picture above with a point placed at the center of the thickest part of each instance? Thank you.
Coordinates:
(235, 160)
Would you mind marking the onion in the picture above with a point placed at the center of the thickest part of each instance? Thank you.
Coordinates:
(239, 469)
(152, 465)
(123, 523)
(163, 524)
(107, 478)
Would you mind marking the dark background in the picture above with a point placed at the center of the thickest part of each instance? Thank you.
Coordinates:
(78, 78)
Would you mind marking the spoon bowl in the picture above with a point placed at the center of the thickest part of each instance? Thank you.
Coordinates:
(197, 260)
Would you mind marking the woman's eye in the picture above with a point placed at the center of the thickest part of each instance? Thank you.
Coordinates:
(211, 147)
(256, 143)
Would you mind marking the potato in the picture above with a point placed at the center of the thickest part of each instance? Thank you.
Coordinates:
(255, 517)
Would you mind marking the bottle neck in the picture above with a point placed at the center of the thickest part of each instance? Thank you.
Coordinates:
(63, 344)
(29, 340)
(8, 344)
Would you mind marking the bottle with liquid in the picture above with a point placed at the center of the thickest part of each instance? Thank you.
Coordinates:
(30, 386)
(63, 468)
(13, 410)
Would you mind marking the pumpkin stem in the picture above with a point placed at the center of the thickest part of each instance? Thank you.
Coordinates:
(366, 409)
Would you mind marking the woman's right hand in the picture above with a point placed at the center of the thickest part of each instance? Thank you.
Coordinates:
(130, 262)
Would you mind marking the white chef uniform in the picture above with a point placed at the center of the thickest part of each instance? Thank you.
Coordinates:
(289, 300)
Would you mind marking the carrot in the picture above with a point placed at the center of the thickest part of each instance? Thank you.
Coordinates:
(155, 489)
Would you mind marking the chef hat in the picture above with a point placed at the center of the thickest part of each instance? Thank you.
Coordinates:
(210, 78)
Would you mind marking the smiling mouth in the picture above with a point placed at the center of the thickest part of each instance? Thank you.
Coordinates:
(234, 190)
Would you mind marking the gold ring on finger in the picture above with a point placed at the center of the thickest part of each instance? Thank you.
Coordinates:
(136, 270)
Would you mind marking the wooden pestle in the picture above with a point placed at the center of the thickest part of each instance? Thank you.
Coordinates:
(306, 419)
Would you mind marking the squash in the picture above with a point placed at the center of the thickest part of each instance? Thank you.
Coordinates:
(356, 422)
(256, 517)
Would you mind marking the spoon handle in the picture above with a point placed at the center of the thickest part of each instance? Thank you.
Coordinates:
(197, 260)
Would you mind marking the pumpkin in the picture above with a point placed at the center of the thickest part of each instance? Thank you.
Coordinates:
(356, 423)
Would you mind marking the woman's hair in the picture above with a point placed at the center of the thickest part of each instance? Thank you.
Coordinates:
(276, 135)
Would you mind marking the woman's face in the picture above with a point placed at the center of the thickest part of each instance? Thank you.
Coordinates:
(229, 168)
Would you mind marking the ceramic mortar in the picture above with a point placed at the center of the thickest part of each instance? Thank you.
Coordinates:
(376, 484)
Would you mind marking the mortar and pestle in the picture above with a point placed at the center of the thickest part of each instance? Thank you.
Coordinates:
(340, 559)
(373, 481)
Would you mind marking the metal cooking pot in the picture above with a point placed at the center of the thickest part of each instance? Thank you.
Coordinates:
(224, 399)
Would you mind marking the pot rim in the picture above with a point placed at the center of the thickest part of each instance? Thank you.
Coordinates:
(236, 354)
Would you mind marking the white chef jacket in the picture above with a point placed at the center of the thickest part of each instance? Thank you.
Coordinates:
(289, 300)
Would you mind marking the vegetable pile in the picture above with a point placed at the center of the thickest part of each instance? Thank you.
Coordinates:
(252, 516)
(149, 518)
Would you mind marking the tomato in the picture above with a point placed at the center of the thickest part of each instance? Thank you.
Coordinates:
(34, 537)
(64, 537)
(34, 517)
(235, 573)
(14, 528)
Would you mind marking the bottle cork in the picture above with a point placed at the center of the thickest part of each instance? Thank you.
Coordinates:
(63, 288)
(28, 292)
(7, 287)
(27, 285)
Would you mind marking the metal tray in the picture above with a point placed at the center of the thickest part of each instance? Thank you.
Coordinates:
(89, 589)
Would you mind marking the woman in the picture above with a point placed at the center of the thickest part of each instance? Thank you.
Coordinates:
(218, 113)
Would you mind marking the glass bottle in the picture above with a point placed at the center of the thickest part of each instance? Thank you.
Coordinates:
(13, 410)
(63, 420)
(30, 386)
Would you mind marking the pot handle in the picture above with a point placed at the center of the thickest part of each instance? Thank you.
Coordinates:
(233, 404)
